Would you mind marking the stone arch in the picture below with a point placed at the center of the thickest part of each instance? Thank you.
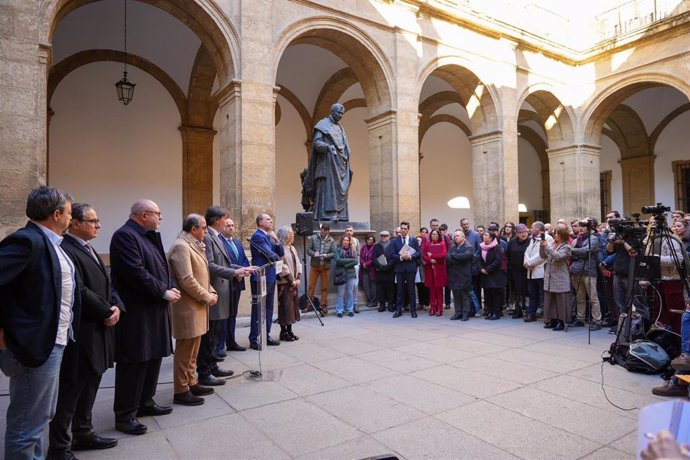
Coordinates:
(479, 99)
(301, 110)
(628, 132)
(82, 58)
(203, 17)
(603, 104)
(332, 90)
(426, 124)
(556, 118)
(355, 47)
(654, 137)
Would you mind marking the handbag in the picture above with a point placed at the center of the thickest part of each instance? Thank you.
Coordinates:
(339, 279)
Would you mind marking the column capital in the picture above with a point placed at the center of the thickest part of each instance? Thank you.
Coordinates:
(199, 131)
(228, 92)
(589, 149)
(483, 138)
(381, 119)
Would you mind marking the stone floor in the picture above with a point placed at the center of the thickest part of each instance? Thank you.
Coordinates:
(426, 388)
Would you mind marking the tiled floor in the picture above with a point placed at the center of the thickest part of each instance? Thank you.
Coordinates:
(415, 388)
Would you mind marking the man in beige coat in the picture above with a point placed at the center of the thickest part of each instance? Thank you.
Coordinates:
(189, 266)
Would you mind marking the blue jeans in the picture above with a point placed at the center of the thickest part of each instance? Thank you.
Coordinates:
(685, 333)
(345, 292)
(475, 302)
(33, 398)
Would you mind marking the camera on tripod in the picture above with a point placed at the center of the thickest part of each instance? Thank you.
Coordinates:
(657, 209)
(632, 231)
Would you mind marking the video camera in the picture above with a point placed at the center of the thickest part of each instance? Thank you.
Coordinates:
(656, 209)
(632, 231)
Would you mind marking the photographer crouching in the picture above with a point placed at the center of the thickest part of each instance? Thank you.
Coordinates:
(583, 275)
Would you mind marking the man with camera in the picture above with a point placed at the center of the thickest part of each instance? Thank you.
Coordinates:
(620, 246)
(583, 275)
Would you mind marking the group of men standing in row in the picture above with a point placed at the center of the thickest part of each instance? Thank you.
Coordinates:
(64, 320)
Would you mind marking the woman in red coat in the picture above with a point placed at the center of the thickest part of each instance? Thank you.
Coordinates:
(435, 277)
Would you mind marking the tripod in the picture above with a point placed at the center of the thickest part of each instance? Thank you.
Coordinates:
(647, 269)
(317, 311)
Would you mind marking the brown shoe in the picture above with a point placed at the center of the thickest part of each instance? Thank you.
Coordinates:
(671, 389)
(187, 399)
(681, 363)
(200, 390)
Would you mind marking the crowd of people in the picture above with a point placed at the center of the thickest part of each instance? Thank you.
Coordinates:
(65, 318)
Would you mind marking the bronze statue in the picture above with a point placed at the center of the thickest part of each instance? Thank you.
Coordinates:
(328, 176)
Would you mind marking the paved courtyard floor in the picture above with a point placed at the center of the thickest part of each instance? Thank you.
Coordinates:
(415, 388)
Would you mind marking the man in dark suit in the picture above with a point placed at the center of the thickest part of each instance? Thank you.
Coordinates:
(38, 290)
(142, 338)
(237, 285)
(265, 248)
(406, 255)
(85, 361)
(222, 272)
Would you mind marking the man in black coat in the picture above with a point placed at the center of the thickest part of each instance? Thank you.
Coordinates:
(85, 361)
(38, 297)
(385, 277)
(406, 256)
(142, 338)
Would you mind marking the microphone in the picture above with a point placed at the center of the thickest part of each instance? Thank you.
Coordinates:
(267, 256)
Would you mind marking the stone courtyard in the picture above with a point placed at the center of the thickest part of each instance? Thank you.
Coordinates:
(427, 388)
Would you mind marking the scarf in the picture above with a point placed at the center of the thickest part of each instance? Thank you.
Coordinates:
(485, 247)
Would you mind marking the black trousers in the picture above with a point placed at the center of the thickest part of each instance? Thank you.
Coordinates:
(446, 295)
(462, 301)
(74, 406)
(231, 322)
(477, 287)
(406, 286)
(205, 362)
(493, 300)
(135, 387)
(385, 292)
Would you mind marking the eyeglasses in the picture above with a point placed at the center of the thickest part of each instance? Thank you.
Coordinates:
(91, 221)
(158, 213)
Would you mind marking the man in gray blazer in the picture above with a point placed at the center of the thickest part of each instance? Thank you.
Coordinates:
(222, 273)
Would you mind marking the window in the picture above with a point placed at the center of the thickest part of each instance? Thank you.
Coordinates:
(605, 191)
(681, 176)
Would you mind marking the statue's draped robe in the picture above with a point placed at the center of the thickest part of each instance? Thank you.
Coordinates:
(329, 176)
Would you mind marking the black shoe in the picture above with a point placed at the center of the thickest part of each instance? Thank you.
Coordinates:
(351, 314)
(493, 317)
(576, 323)
(397, 314)
(285, 337)
(188, 399)
(560, 325)
(381, 309)
(550, 324)
(211, 381)
(356, 310)
(391, 309)
(456, 317)
(447, 307)
(131, 426)
(236, 347)
(255, 346)
(272, 343)
(66, 455)
(292, 334)
(594, 326)
(222, 373)
(465, 317)
(154, 410)
(339, 315)
(220, 354)
(92, 441)
(517, 314)
(200, 390)
(413, 314)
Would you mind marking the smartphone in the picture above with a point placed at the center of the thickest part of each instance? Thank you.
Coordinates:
(543, 236)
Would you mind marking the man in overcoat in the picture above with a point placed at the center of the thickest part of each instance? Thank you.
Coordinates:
(189, 267)
(85, 360)
(140, 275)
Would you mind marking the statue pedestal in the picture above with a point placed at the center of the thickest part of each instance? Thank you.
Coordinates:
(338, 227)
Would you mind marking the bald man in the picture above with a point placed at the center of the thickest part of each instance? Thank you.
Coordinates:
(140, 275)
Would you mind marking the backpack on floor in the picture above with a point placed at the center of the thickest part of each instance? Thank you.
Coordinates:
(646, 357)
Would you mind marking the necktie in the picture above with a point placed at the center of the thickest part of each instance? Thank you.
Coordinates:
(231, 246)
(90, 250)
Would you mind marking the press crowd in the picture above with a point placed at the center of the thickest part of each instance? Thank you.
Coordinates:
(66, 317)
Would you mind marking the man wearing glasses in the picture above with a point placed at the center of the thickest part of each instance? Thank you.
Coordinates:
(85, 360)
(140, 275)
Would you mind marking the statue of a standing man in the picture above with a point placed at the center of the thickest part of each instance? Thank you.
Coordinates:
(329, 176)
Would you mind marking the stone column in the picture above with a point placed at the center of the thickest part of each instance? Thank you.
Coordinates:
(638, 183)
(197, 169)
(495, 181)
(23, 112)
(574, 181)
(247, 131)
